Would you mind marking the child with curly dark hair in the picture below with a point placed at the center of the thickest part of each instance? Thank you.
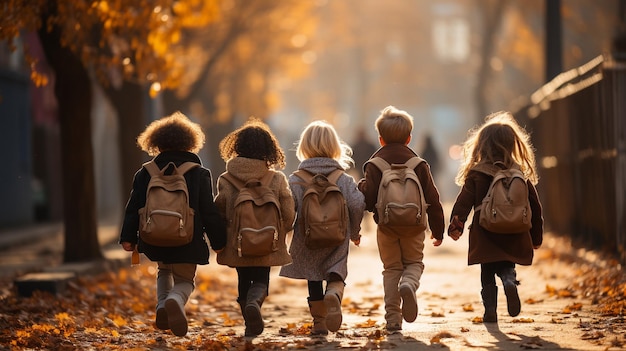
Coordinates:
(175, 139)
(252, 152)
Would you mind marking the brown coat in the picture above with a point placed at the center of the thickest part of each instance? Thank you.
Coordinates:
(484, 246)
(400, 153)
(245, 169)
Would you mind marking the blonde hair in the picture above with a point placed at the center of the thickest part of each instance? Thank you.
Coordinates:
(171, 133)
(500, 138)
(319, 139)
(394, 125)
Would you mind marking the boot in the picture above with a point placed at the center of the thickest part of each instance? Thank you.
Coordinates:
(510, 284)
(318, 312)
(164, 286)
(332, 300)
(409, 302)
(177, 320)
(252, 312)
(490, 302)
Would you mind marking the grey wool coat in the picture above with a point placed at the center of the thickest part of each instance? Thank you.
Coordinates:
(245, 169)
(317, 264)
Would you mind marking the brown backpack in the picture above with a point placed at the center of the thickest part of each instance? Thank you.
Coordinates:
(400, 203)
(257, 218)
(166, 219)
(324, 210)
(506, 208)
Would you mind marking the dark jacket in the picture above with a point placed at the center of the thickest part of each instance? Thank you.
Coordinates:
(484, 246)
(400, 153)
(206, 219)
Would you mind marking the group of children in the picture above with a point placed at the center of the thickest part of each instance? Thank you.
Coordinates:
(252, 152)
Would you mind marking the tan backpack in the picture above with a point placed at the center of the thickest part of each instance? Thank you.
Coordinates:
(506, 208)
(167, 219)
(400, 203)
(324, 210)
(257, 218)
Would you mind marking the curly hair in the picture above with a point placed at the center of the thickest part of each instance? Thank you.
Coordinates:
(253, 140)
(172, 133)
(500, 138)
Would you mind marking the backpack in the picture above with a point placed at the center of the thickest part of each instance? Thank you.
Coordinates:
(400, 203)
(324, 210)
(257, 218)
(506, 208)
(166, 219)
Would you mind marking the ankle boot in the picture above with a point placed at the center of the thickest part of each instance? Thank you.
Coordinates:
(332, 300)
(177, 320)
(510, 284)
(490, 302)
(319, 313)
(252, 312)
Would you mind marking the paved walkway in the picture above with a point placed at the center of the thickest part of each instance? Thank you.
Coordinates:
(448, 299)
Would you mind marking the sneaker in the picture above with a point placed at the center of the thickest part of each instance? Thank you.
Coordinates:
(409, 303)
(176, 317)
(161, 319)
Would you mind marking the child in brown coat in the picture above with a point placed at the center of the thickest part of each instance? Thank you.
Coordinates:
(401, 251)
(499, 139)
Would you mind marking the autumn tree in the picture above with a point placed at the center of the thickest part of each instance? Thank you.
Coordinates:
(131, 40)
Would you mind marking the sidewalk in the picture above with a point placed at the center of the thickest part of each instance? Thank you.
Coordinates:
(449, 301)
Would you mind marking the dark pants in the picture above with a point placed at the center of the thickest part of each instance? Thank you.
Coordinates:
(249, 275)
(488, 271)
(316, 288)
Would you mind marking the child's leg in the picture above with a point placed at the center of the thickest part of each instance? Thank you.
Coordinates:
(412, 255)
(390, 255)
(489, 291)
(165, 282)
(509, 281)
(256, 279)
(332, 300)
(184, 275)
(317, 307)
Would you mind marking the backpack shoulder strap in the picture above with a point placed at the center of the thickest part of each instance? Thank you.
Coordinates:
(186, 167)
(232, 180)
(306, 176)
(267, 178)
(413, 162)
(333, 177)
(381, 164)
(152, 168)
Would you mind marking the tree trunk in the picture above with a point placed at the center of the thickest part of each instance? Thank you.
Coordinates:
(128, 102)
(73, 92)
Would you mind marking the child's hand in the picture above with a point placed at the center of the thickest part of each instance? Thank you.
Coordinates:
(218, 251)
(436, 242)
(357, 242)
(455, 230)
(128, 246)
(536, 247)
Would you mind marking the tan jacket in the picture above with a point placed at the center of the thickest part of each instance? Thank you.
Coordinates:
(245, 169)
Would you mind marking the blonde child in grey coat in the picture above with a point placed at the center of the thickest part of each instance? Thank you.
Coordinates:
(321, 151)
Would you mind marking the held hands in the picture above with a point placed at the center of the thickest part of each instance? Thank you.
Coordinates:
(455, 230)
(128, 246)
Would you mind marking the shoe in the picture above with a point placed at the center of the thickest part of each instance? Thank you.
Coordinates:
(489, 294)
(393, 327)
(332, 300)
(161, 319)
(513, 303)
(409, 303)
(176, 317)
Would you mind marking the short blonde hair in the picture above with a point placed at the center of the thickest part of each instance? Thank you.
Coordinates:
(394, 125)
(171, 133)
(320, 139)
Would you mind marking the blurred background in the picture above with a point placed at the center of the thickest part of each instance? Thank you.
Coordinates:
(76, 91)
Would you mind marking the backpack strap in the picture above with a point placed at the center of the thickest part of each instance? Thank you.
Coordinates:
(232, 180)
(307, 176)
(333, 177)
(413, 162)
(153, 169)
(381, 164)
